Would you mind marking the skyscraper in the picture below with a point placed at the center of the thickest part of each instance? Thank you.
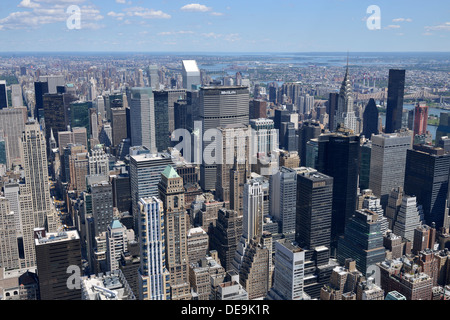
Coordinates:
(266, 136)
(12, 123)
(426, 177)
(145, 173)
(58, 256)
(153, 77)
(162, 133)
(176, 221)
(36, 172)
(283, 199)
(387, 163)
(9, 250)
(16, 95)
(142, 114)
(338, 157)
(370, 119)
(345, 115)
(100, 190)
(314, 208)
(191, 74)
(3, 95)
(364, 165)
(252, 222)
(55, 114)
(40, 89)
(220, 106)
(116, 243)
(154, 278)
(331, 109)
(420, 118)
(408, 218)
(309, 130)
(118, 125)
(289, 272)
(362, 241)
(226, 236)
(233, 168)
(396, 90)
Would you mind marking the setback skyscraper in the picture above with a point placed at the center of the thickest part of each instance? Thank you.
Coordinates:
(220, 106)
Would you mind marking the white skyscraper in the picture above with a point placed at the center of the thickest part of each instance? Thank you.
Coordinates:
(101, 107)
(408, 218)
(11, 192)
(142, 114)
(35, 201)
(9, 251)
(153, 274)
(289, 272)
(345, 115)
(252, 222)
(191, 74)
(116, 242)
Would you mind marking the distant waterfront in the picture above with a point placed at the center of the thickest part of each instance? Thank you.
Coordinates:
(431, 111)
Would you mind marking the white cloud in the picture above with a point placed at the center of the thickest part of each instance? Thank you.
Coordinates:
(440, 27)
(216, 14)
(49, 12)
(402, 20)
(196, 7)
(392, 26)
(28, 4)
(146, 13)
(171, 33)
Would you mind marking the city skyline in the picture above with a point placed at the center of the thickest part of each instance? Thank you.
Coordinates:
(213, 26)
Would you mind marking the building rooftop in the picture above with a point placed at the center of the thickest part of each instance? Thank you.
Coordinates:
(170, 173)
(110, 286)
(57, 237)
(190, 66)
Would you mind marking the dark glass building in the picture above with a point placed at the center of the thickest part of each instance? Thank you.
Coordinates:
(338, 157)
(3, 95)
(55, 113)
(331, 109)
(370, 119)
(309, 130)
(364, 165)
(162, 133)
(40, 88)
(122, 192)
(396, 90)
(58, 257)
(426, 177)
(362, 241)
(314, 208)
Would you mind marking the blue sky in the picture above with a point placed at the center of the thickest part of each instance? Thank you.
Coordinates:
(225, 26)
